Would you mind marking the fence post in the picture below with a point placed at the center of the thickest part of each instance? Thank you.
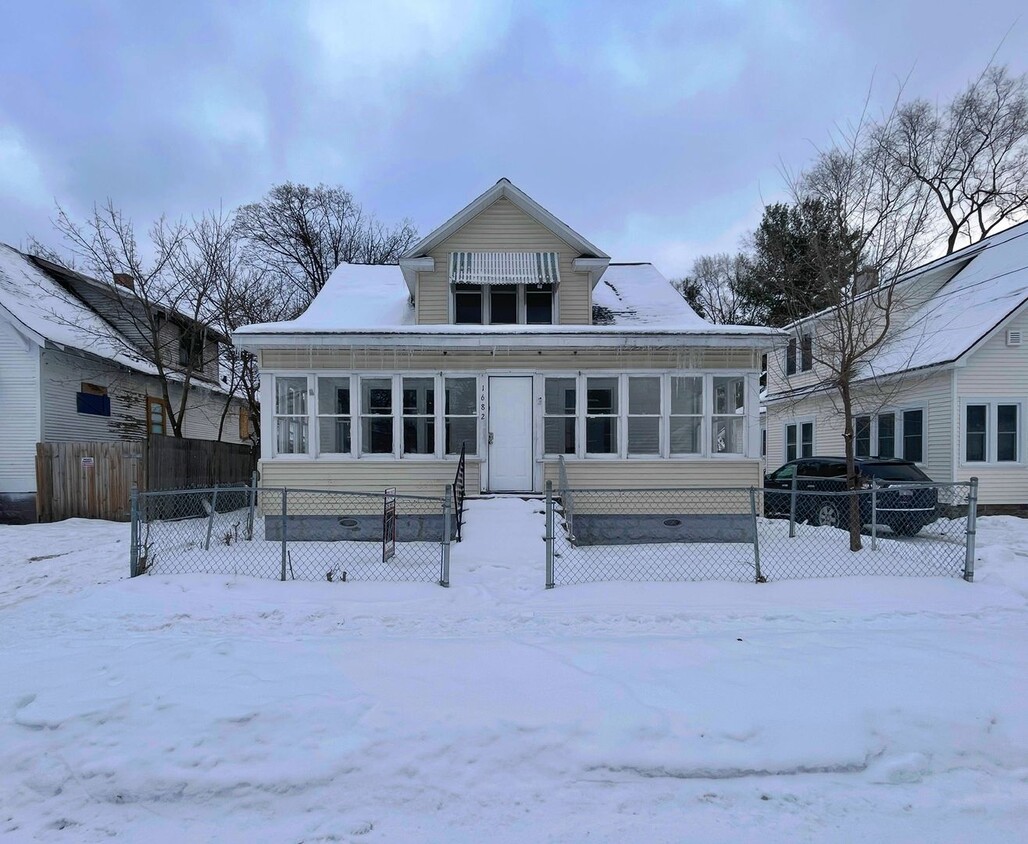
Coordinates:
(792, 507)
(756, 538)
(972, 528)
(285, 521)
(210, 518)
(874, 513)
(134, 533)
(444, 551)
(549, 534)
(253, 505)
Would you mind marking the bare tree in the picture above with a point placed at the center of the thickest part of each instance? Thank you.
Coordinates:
(156, 294)
(971, 154)
(303, 233)
(716, 289)
(881, 230)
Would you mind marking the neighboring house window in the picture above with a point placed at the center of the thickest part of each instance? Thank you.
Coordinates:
(886, 434)
(467, 305)
(799, 441)
(862, 436)
(729, 414)
(92, 400)
(245, 428)
(991, 433)
(503, 304)
(791, 433)
(190, 350)
(559, 415)
(601, 421)
(334, 415)
(643, 415)
(461, 418)
(156, 416)
(376, 415)
(291, 422)
(790, 357)
(539, 304)
(418, 415)
(763, 442)
(807, 353)
(807, 439)
(686, 414)
(913, 435)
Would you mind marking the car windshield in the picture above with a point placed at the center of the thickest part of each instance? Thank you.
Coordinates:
(894, 472)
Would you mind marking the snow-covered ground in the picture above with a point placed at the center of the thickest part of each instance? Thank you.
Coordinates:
(219, 708)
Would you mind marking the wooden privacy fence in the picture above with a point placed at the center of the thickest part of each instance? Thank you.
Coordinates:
(94, 480)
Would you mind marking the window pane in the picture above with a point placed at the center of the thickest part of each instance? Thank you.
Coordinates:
(559, 435)
(975, 433)
(601, 435)
(461, 395)
(376, 415)
(790, 443)
(644, 395)
(291, 434)
(291, 396)
(686, 395)
(685, 434)
(376, 396)
(503, 305)
(913, 435)
(644, 435)
(790, 358)
(461, 431)
(807, 353)
(418, 435)
(807, 439)
(862, 438)
(887, 435)
(560, 395)
(601, 395)
(467, 305)
(377, 434)
(334, 396)
(729, 395)
(419, 396)
(727, 435)
(1006, 432)
(334, 435)
(539, 305)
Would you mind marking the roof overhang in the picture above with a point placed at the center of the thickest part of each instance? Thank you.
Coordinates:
(596, 267)
(410, 267)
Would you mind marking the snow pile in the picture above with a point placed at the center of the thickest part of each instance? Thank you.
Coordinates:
(637, 294)
(215, 708)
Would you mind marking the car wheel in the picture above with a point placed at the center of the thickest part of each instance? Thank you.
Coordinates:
(826, 515)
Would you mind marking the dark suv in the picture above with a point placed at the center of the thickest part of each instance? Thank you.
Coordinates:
(902, 506)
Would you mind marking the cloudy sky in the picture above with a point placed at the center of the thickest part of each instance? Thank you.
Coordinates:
(655, 129)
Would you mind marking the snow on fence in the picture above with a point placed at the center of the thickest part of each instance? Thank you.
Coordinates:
(293, 534)
(751, 534)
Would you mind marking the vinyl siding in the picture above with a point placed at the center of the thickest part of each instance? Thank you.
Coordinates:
(63, 374)
(19, 431)
(411, 477)
(503, 227)
(549, 359)
(614, 474)
(996, 371)
(933, 392)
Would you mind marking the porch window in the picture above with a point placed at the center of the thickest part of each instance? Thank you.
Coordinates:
(539, 304)
(686, 414)
(886, 434)
(376, 416)
(467, 305)
(729, 418)
(913, 435)
(559, 411)
(291, 422)
(334, 419)
(418, 415)
(461, 418)
(601, 420)
(643, 416)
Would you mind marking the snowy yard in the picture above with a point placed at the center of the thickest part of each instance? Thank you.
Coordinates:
(221, 708)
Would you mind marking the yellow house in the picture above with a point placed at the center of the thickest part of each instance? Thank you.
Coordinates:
(506, 334)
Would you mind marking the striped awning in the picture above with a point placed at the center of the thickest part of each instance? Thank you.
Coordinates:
(504, 268)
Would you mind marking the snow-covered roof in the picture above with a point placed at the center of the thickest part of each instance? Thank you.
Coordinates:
(43, 310)
(366, 299)
(965, 309)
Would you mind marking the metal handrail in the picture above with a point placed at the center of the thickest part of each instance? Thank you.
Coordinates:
(459, 489)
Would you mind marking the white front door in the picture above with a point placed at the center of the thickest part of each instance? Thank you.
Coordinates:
(510, 434)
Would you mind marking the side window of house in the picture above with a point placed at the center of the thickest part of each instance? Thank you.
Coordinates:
(913, 435)
(862, 436)
(886, 435)
(190, 350)
(992, 433)
(156, 416)
(799, 441)
(807, 353)
(807, 439)
(790, 357)
(92, 400)
(791, 440)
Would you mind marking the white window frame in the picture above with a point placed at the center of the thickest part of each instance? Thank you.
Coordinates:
(992, 432)
(318, 416)
(579, 440)
(275, 416)
(798, 422)
(899, 441)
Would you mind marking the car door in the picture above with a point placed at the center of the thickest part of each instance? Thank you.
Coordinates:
(776, 490)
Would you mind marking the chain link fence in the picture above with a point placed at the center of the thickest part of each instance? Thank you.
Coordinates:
(753, 534)
(293, 534)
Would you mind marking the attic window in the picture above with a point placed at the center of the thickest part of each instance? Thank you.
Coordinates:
(1014, 337)
(504, 268)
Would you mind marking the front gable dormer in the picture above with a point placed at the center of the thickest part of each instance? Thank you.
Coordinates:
(504, 259)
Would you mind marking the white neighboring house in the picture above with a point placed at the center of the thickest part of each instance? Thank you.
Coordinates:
(508, 333)
(68, 373)
(949, 390)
